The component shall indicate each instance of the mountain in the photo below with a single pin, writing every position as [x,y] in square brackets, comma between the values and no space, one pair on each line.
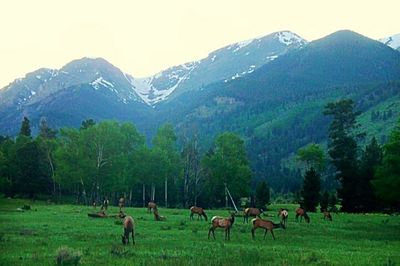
[227,63]
[278,108]
[271,90]
[84,88]
[392,41]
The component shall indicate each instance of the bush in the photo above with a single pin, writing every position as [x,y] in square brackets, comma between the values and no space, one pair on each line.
[68,256]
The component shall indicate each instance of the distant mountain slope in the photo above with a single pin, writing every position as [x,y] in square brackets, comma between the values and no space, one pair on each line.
[392,41]
[227,63]
[84,88]
[278,108]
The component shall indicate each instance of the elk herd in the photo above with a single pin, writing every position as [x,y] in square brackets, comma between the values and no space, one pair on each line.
[225,223]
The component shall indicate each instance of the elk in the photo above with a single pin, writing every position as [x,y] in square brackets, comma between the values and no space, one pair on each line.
[157,216]
[199,211]
[121,203]
[151,205]
[327,215]
[302,213]
[255,212]
[222,222]
[283,214]
[105,203]
[265,224]
[129,227]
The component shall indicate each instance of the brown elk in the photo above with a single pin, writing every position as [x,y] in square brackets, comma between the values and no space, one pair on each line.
[129,228]
[283,214]
[254,212]
[265,224]
[121,203]
[302,213]
[151,206]
[222,222]
[327,215]
[199,211]
[157,216]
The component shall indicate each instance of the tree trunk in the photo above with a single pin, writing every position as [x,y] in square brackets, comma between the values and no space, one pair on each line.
[130,198]
[144,195]
[166,193]
[226,198]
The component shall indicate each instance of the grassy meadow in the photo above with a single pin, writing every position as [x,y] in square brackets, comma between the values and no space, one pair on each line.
[33,238]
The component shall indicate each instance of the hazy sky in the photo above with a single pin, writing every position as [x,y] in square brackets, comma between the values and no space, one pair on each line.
[144,37]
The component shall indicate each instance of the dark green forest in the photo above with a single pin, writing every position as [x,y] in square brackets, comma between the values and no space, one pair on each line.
[112,159]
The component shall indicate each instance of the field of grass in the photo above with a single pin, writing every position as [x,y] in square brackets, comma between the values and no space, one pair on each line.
[33,238]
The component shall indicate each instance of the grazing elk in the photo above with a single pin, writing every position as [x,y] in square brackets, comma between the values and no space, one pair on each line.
[327,215]
[199,211]
[151,206]
[129,227]
[121,203]
[265,224]
[157,216]
[254,212]
[302,213]
[283,214]
[222,222]
[105,203]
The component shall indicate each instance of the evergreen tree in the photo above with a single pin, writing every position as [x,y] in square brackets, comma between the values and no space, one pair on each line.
[310,191]
[387,180]
[25,128]
[262,195]
[370,159]
[45,131]
[31,178]
[324,202]
[343,151]
[332,202]
[87,123]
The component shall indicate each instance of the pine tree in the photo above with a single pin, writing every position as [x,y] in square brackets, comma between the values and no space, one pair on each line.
[387,180]
[371,158]
[262,195]
[310,191]
[343,151]
[45,131]
[324,202]
[25,128]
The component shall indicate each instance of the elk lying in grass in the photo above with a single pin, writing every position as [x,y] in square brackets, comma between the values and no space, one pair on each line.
[283,214]
[199,211]
[121,203]
[129,228]
[222,222]
[302,213]
[327,215]
[254,212]
[265,224]
[157,216]
[151,206]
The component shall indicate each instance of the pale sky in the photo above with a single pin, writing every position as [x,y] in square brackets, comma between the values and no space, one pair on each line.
[144,37]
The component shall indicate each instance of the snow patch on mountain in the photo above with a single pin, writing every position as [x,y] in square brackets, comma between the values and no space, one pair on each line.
[289,38]
[102,82]
[392,41]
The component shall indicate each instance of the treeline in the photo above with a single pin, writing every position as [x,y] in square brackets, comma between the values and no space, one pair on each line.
[111,159]
[369,177]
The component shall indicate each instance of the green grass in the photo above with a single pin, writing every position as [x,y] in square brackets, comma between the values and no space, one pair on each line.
[33,238]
